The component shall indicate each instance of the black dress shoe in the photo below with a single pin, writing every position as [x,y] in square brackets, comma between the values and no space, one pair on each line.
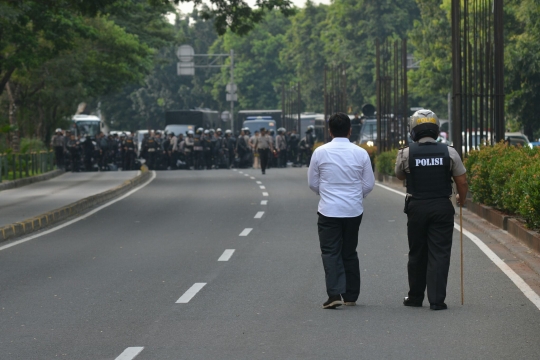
[333,302]
[409,302]
[442,306]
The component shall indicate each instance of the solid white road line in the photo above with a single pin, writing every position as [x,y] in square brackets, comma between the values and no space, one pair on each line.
[245,232]
[516,279]
[252,178]
[192,291]
[262,187]
[259,215]
[258,182]
[264,202]
[82,217]
[130,353]
[265,194]
[226,255]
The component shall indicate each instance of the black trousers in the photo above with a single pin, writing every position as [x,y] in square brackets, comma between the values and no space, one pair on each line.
[338,238]
[429,228]
[263,156]
[59,154]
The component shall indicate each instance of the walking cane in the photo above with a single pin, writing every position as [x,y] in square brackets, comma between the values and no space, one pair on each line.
[461,241]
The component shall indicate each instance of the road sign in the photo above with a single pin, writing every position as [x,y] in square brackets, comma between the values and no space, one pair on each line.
[186,68]
[231,88]
[232,97]
[225,116]
[185,53]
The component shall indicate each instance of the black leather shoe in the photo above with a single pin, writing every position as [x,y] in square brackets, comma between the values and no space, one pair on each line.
[409,302]
[438,306]
[333,302]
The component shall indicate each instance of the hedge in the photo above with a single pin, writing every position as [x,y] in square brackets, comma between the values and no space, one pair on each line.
[508,179]
[386,162]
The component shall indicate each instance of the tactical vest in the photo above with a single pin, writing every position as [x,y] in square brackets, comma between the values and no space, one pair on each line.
[430,176]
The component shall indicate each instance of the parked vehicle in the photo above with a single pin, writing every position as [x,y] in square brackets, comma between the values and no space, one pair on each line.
[517,138]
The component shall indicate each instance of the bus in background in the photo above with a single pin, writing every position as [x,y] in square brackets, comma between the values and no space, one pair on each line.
[255,123]
[88,125]
[275,115]
[181,121]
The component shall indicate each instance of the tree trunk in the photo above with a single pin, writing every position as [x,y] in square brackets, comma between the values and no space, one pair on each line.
[15,141]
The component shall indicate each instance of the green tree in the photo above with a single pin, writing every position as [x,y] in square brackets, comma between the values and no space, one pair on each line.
[431,39]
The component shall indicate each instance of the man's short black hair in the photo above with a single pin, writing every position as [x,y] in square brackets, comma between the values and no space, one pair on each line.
[340,124]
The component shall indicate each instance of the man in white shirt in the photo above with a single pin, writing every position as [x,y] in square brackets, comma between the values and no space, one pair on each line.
[340,172]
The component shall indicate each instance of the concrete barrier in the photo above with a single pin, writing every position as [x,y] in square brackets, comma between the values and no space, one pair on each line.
[52,217]
[29,180]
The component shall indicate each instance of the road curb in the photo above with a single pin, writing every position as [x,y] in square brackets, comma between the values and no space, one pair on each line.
[30,180]
[52,217]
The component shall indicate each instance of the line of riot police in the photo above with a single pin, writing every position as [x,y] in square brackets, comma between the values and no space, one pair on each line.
[202,149]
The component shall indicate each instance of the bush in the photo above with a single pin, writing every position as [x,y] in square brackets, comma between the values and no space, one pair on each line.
[32,145]
[386,161]
[507,178]
[372,152]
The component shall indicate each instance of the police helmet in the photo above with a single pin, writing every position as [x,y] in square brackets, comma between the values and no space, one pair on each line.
[281,130]
[206,132]
[310,128]
[190,132]
[58,130]
[211,131]
[171,133]
[218,130]
[199,130]
[424,123]
[228,132]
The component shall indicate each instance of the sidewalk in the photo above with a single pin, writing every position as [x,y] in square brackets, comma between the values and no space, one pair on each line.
[26,202]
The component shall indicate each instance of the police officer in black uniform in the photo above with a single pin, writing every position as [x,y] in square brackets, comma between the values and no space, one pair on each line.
[429,168]
[129,154]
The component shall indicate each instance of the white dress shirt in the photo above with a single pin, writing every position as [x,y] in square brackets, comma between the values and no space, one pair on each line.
[340,172]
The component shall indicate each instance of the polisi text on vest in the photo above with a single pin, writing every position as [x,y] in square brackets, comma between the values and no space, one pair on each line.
[429,162]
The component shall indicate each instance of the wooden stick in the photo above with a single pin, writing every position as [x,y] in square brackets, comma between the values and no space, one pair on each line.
[461,241]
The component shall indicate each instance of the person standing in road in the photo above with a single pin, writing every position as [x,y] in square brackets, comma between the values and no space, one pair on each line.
[59,145]
[429,168]
[263,145]
[340,172]
[281,148]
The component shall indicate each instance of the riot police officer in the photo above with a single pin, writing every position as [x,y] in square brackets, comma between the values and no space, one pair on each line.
[198,150]
[281,148]
[230,144]
[310,142]
[188,149]
[429,168]
[74,149]
[129,154]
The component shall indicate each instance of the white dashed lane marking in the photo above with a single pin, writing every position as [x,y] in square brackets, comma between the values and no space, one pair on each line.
[265,194]
[262,187]
[258,182]
[252,178]
[246,174]
[130,353]
[245,232]
[226,255]
[259,215]
[192,291]
[264,202]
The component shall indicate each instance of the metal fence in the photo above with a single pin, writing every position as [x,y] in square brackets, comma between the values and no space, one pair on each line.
[335,93]
[291,106]
[477,66]
[392,107]
[17,166]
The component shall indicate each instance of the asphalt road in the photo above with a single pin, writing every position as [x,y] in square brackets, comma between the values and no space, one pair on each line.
[32,200]
[118,283]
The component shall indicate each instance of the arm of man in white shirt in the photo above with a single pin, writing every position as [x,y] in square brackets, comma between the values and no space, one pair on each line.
[313,174]
[368,179]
